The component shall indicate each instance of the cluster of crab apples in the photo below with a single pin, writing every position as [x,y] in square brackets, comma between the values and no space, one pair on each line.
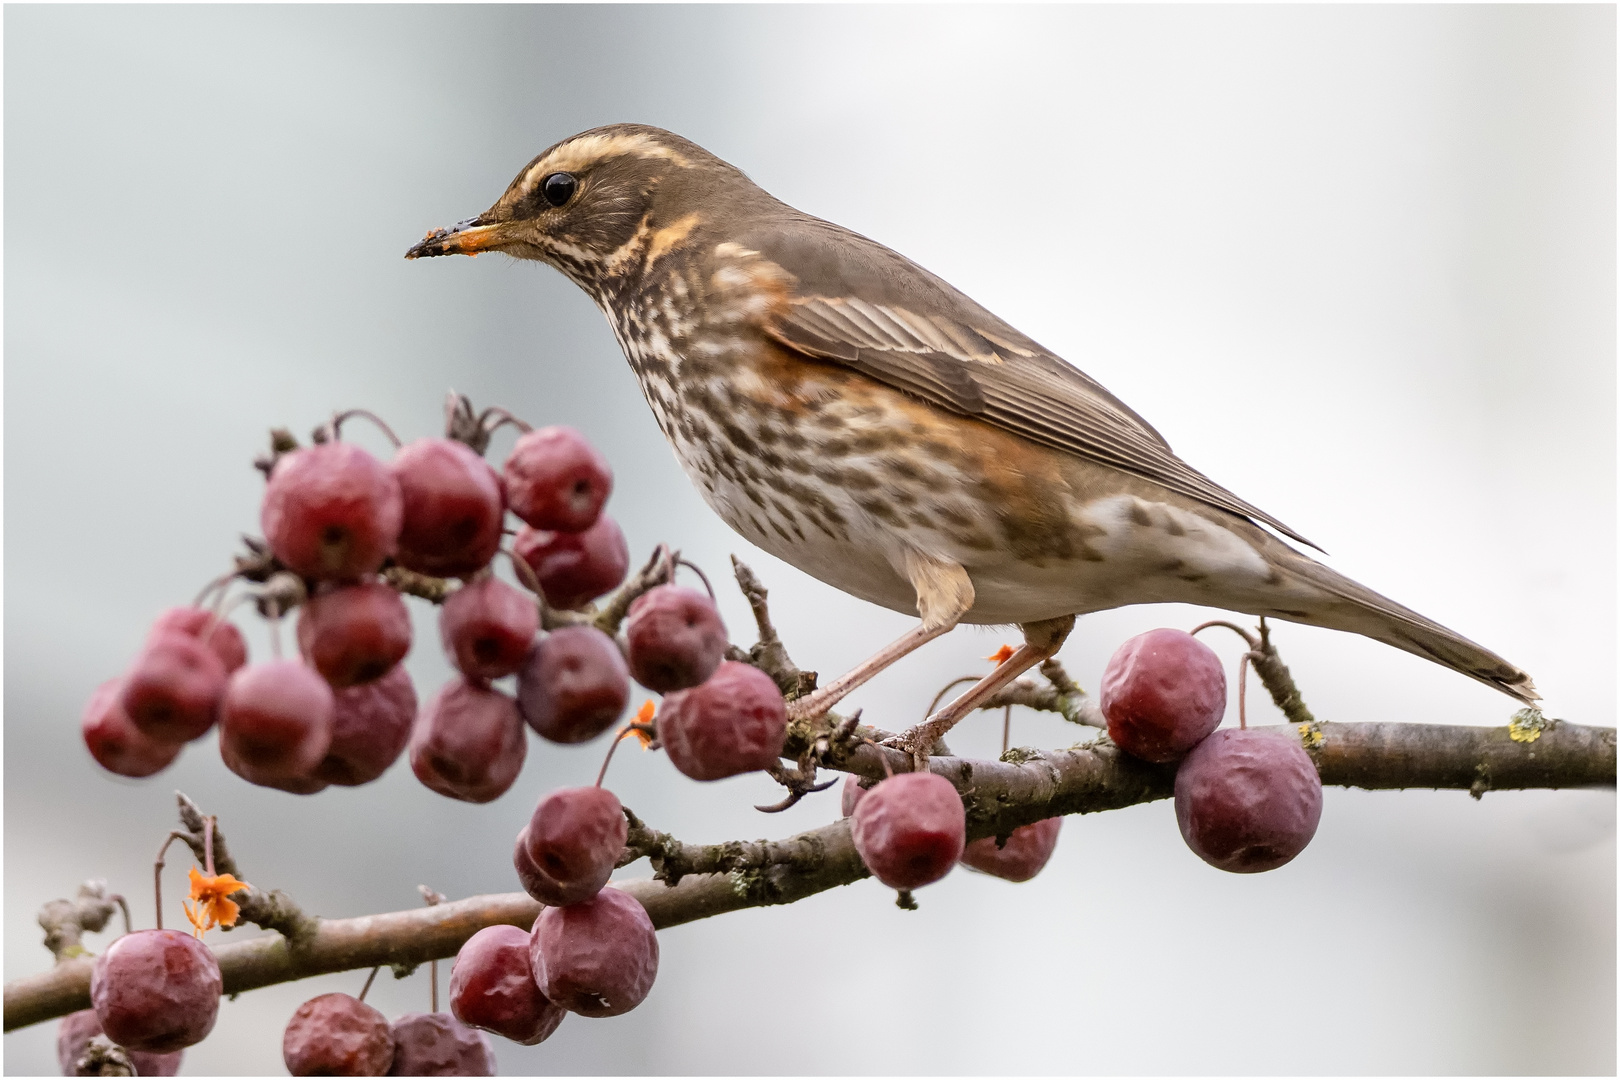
[1247,800]
[347,534]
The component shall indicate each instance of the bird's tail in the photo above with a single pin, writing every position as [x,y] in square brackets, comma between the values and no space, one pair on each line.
[1350,606]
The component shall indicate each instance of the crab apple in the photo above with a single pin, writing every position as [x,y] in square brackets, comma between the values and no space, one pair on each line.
[371,723]
[554,479]
[331,511]
[337,1035]
[156,990]
[1024,855]
[172,690]
[487,628]
[453,508]
[575,568]
[734,723]
[572,840]
[674,638]
[1162,692]
[573,685]
[117,744]
[292,785]
[275,723]
[468,743]
[598,957]
[1248,800]
[910,829]
[221,636]
[354,633]
[73,1037]
[437,1044]
[492,987]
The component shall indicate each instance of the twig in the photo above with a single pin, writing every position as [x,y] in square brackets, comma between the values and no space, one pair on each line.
[999,796]
[768,654]
[65,922]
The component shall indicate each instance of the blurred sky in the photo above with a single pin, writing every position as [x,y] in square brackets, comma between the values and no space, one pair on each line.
[1356,263]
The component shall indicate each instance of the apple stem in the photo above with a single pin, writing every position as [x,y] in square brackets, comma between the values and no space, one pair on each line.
[157,873]
[1238,630]
[214,586]
[208,844]
[494,418]
[336,424]
[366,989]
[692,566]
[432,898]
[1006,728]
[275,634]
[1243,684]
[932,705]
[612,746]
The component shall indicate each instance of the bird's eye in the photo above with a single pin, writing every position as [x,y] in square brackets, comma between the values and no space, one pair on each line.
[558,188]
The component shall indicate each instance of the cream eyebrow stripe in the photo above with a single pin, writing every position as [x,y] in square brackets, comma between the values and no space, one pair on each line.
[578,153]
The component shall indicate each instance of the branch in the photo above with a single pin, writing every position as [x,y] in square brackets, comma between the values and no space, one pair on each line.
[1026,786]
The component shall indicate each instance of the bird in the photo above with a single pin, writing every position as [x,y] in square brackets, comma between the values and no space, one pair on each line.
[861,419]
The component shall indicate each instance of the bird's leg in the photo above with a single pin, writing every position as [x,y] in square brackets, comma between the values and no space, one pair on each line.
[944,594]
[1041,641]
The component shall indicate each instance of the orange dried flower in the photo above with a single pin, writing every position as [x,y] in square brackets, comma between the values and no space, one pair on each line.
[1001,655]
[644,715]
[212,907]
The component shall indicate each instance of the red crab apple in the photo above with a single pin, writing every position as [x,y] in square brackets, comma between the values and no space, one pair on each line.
[674,637]
[1248,800]
[73,1037]
[337,1035]
[910,829]
[1162,693]
[331,511]
[156,990]
[554,479]
[598,957]
[492,987]
[1025,854]
[468,743]
[572,841]
[218,634]
[173,689]
[437,1044]
[275,722]
[574,568]
[453,508]
[117,744]
[488,628]
[355,633]
[573,685]
[371,723]
[733,723]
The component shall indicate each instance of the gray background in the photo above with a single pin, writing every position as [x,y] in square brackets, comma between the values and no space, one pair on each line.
[1356,263]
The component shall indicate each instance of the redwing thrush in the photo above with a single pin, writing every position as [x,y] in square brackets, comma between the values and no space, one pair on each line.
[856,416]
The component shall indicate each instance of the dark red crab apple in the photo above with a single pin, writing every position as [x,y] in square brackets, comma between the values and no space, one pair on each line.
[173,689]
[275,722]
[218,634]
[453,508]
[598,957]
[437,1044]
[337,1035]
[331,511]
[1248,800]
[117,744]
[488,627]
[571,842]
[575,568]
[910,829]
[371,723]
[674,637]
[554,479]
[73,1037]
[733,723]
[1162,692]
[574,684]
[355,633]
[156,990]
[1024,855]
[492,987]
[468,743]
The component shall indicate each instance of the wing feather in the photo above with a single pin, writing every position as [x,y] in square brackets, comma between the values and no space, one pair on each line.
[857,303]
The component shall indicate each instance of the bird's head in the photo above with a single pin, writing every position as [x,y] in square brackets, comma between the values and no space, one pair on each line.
[590,198]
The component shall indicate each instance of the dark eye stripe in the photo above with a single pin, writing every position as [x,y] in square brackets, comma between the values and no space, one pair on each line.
[558,188]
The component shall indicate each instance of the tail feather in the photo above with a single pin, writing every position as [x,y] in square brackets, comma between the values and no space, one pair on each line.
[1358,609]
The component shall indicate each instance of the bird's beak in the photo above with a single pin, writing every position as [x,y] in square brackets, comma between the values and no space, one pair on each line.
[467,238]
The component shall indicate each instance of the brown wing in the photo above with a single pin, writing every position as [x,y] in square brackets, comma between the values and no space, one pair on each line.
[858,303]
